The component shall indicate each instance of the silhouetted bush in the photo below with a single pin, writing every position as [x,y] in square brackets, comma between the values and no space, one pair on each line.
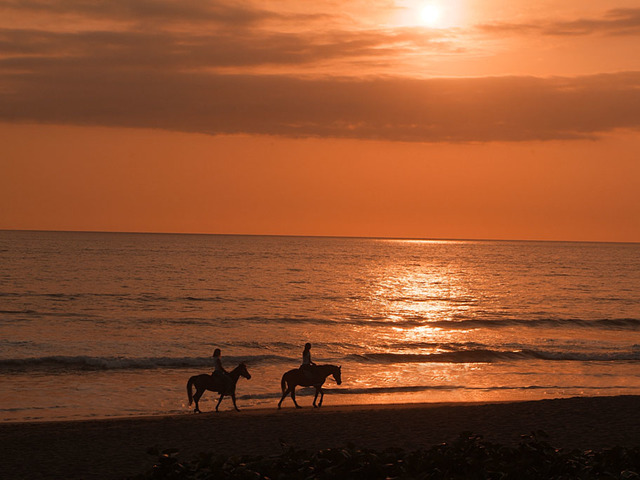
[469,457]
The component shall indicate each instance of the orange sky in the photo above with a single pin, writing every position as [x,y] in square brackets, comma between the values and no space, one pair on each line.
[434,119]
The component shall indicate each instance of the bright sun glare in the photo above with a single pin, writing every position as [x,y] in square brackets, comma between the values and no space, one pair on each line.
[436,14]
[430,15]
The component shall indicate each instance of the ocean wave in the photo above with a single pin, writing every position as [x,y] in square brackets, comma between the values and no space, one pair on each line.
[18,312]
[291,320]
[606,324]
[64,364]
[73,363]
[434,298]
[465,324]
[489,356]
[205,299]
[130,297]
[146,301]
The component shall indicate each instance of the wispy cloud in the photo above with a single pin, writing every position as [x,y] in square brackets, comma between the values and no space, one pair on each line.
[40,50]
[624,21]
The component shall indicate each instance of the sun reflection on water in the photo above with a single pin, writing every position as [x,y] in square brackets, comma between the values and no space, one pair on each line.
[419,299]
[412,293]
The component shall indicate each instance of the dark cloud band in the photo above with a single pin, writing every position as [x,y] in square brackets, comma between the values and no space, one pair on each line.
[401,109]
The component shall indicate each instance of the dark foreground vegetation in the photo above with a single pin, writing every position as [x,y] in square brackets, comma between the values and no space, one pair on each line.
[469,457]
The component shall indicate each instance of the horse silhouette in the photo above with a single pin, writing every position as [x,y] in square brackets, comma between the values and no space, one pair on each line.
[296,377]
[223,384]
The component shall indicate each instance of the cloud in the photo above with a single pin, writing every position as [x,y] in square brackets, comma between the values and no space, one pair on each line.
[400,109]
[169,11]
[173,79]
[38,50]
[623,21]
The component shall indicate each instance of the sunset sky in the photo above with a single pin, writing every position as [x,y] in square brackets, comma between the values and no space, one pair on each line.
[501,119]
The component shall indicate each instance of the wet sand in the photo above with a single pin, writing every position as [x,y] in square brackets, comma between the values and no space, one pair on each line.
[116,448]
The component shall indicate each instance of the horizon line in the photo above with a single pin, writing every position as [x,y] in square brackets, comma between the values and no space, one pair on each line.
[355,237]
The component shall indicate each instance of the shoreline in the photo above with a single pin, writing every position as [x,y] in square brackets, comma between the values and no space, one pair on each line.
[117,447]
[259,411]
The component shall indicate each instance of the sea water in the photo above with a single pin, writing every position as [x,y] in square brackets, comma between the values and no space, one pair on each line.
[97,325]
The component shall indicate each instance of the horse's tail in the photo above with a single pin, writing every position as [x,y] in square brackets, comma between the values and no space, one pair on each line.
[283,383]
[189,393]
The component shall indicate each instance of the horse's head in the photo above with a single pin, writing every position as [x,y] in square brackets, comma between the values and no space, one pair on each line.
[242,369]
[337,375]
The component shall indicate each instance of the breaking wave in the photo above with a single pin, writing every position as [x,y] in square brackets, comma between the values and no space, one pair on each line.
[489,356]
[61,364]
[70,363]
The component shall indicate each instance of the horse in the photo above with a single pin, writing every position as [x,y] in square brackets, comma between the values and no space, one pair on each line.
[224,384]
[297,376]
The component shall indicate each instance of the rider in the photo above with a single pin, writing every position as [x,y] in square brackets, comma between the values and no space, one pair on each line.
[218,370]
[307,364]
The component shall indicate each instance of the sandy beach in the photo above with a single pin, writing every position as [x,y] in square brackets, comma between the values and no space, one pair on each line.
[116,448]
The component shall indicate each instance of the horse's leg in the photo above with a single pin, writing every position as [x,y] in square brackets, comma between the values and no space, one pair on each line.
[321,397]
[284,394]
[196,397]
[233,398]
[219,400]
[293,396]
[316,397]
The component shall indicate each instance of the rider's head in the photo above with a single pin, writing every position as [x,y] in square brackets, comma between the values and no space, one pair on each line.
[307,346]
[216,352]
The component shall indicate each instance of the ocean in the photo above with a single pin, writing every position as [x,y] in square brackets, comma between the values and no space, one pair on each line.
[96,325]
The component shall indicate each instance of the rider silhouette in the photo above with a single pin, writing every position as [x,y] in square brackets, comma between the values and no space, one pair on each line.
[219,374]
[307,364]
[217,363]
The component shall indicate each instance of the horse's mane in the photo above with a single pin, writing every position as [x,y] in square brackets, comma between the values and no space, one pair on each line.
[326,365]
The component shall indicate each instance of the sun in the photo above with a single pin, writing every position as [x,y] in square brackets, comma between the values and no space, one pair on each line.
[430,15]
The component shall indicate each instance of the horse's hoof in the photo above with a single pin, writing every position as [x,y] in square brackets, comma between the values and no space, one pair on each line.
[298,406]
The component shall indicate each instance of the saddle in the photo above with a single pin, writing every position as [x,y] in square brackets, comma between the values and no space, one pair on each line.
[309,373]
[221,382]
